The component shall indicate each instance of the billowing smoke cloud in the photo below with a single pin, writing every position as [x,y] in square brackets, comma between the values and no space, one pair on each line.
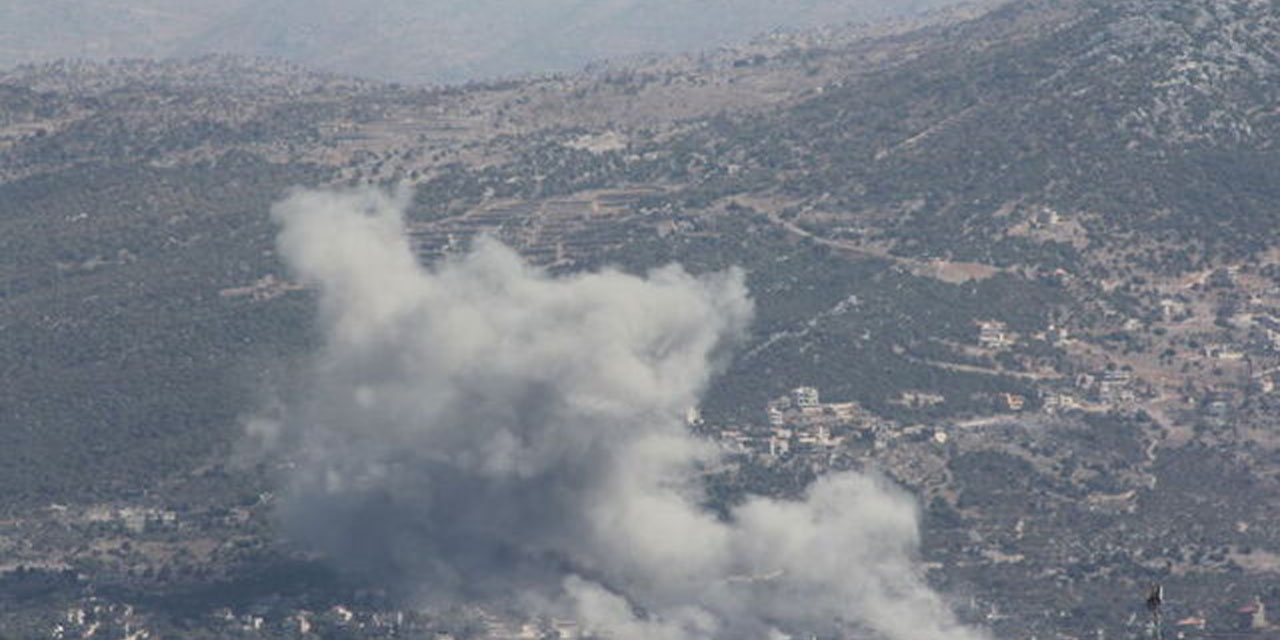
[483,431]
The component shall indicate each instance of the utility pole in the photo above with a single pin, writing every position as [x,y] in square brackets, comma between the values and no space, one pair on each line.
[1154,599]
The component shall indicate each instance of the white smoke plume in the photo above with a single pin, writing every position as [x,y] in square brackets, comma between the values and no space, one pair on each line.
[482,431]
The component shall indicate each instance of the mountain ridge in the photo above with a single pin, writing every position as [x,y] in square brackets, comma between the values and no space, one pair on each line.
[395,40]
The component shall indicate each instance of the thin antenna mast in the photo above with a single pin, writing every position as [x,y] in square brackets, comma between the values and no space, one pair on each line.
[1154,599]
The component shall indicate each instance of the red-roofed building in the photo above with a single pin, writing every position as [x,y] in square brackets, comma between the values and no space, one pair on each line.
[1253,615]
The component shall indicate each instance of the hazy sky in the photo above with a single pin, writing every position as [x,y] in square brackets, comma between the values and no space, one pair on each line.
[410,40]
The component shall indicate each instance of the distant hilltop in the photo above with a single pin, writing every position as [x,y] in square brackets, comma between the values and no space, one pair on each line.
[398,40]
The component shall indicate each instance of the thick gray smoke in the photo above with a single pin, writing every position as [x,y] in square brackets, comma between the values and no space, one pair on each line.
[483,431]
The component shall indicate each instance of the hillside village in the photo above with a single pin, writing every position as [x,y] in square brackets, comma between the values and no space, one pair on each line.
[1209,346]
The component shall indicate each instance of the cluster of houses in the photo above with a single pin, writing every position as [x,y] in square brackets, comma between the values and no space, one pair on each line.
[265,288]
[800,423]
[993,334]
[499,628]
[94,617]
[1269,326]
[268,617]
[1250,619]
[1119,387]
[133,519]
[1112,386]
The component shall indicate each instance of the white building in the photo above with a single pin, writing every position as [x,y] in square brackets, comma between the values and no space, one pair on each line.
[1171,309]
[805,397]
[779,447]
[776,418]
[993,334]
[693,416]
